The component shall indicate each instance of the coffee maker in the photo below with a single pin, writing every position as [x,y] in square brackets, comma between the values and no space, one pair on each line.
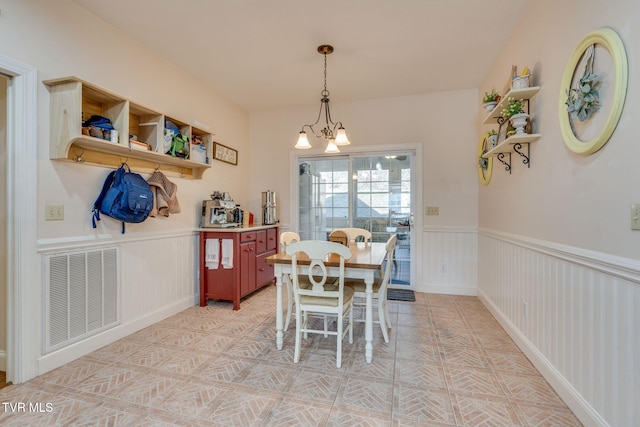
[269,212]
[218,212]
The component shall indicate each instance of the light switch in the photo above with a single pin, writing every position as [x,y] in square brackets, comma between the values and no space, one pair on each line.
[432,210]
[635,216]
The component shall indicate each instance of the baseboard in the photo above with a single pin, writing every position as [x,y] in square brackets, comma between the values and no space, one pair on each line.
[574,400]
[67,354]
[447,289]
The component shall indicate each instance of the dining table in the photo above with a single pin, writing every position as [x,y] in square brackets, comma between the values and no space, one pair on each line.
[366,259]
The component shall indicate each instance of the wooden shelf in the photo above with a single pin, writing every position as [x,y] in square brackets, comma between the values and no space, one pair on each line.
[74,100]
[525,93]
[507,144]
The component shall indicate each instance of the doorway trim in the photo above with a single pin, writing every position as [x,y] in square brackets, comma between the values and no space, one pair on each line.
[21,174]
[294,155]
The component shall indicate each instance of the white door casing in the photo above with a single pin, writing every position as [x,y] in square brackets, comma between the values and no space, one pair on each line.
[23,282]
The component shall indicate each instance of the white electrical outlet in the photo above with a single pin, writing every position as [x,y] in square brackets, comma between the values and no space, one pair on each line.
[53,212]
[635,216]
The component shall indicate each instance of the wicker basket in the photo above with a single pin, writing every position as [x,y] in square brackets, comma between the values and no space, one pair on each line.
[521,82]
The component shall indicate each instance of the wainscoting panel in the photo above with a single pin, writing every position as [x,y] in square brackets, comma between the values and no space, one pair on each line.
[576,316]
[157,276]
[156,273]
[449,261]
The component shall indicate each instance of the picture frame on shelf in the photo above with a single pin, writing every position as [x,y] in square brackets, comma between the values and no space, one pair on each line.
[225,154]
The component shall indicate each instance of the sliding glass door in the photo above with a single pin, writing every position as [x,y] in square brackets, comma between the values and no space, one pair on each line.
[374,192]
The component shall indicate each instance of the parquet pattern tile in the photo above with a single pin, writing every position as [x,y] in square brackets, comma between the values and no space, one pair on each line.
[448,364]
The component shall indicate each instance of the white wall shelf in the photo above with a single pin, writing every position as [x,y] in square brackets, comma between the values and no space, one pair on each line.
[74,101]
[526,94]
[519,144]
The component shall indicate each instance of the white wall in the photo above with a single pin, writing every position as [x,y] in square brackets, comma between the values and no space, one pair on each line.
[447,167]
[556,237]
[61,39]
[447,163]
[578,200]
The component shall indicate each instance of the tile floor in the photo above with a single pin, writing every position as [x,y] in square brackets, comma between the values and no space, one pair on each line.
[448,364]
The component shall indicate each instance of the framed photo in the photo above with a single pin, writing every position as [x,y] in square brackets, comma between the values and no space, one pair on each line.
[225,154]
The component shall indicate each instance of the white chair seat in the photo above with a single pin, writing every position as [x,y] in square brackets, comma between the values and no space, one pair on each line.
[328,302]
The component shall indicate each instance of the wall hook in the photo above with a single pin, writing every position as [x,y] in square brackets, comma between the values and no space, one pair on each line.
[78,158]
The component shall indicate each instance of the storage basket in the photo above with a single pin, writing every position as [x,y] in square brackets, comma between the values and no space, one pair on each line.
[521,82]
[199,153]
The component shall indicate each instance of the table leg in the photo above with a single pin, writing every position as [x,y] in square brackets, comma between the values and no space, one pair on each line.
[368,325]
[279,334]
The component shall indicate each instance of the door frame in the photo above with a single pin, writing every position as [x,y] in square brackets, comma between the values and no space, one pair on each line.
[416,249]
[23,290]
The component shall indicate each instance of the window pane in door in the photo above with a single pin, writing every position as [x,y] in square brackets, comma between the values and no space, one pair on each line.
[323,196]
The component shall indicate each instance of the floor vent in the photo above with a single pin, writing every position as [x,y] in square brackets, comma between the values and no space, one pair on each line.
[81,293]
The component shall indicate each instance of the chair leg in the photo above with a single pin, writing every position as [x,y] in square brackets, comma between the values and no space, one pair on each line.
[326,326]
[339,343]
[296,353]
[351,325]
[386,315]
[306,320]
[382,319]
[289,304]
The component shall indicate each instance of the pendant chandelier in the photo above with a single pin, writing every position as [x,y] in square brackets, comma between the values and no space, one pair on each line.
[333,133]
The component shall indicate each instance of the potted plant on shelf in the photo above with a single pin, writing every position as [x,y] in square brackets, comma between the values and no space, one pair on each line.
[490,100]
[514,111]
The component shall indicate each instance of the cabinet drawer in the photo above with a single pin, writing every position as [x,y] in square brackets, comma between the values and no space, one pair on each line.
[272,239]
[249,236]
[264,272]
[261,241]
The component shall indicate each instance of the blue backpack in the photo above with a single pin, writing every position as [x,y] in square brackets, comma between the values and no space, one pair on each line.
[125,196]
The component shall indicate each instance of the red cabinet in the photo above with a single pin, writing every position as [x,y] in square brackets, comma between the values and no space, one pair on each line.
[249,272]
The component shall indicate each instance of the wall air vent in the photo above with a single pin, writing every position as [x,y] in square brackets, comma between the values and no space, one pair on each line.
[81,295]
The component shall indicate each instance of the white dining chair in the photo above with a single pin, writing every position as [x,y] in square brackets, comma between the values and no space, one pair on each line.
[380,285]
[288,237]
[339,236]
[355,233]
[321,298]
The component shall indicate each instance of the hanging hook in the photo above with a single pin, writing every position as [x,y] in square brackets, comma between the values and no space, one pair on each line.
[78,158]
[157,168]
[126,159]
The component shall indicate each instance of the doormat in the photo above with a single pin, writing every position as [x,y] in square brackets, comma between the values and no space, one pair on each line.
[400,295]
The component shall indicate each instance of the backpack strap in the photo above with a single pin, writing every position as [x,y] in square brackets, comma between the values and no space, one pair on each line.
[98,202]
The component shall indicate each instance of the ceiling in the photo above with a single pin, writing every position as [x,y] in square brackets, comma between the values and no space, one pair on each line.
[261,54]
